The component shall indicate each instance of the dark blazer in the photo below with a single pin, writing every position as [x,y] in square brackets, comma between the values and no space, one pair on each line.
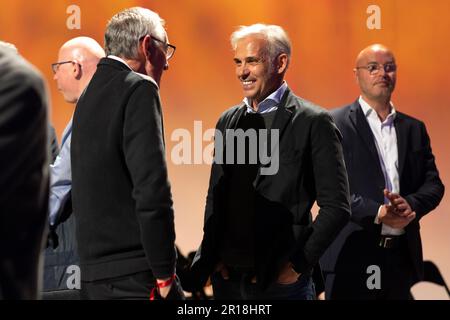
[311,168]
[120,191]
[23,175]
[420,184]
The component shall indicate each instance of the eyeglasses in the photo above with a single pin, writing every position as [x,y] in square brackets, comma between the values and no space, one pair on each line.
[374,68]
[168,48]
[55,66]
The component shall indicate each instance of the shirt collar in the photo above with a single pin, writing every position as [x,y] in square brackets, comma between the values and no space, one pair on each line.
[270,103]
[147,77]
[370,112]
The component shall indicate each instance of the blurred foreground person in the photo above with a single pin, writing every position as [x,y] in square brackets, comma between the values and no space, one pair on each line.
[23,175]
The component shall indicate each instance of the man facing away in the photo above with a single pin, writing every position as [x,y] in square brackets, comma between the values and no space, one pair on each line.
[23,175]
[259,239]
[394,182]
[76,64]
[120,189]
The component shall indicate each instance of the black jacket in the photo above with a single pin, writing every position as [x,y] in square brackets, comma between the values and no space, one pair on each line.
[24,156]
[311,167]
[120,190]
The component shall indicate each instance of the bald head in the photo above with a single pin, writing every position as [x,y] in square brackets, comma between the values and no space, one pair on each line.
[82,55]
[370,51]
[376,74]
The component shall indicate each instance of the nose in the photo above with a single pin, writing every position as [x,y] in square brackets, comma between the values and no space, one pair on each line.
[242,71]
[382,71]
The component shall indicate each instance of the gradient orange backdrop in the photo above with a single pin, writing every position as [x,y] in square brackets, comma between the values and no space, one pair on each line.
[326,37]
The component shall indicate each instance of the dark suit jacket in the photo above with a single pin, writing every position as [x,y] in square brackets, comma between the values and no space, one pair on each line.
[311,168]
[120,191]
[420,184]
[23,175]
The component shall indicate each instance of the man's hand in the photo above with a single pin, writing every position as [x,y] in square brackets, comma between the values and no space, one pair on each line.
[168,289]
[388,216]
[164,291]
[401,206]
[288,274]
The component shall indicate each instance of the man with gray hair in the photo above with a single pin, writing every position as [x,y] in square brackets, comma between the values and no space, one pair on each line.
[259,239]
[120,190]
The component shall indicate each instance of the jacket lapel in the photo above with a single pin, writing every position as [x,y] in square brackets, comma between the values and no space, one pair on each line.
[284,112]
[231,124]
[234,119]
[361,125]
[282,118]
[401,130]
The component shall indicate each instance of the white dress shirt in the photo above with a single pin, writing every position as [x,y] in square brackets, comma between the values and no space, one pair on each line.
[386,144]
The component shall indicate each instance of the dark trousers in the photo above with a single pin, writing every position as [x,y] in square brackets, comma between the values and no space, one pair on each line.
[130,287]
[240,287]
[353,281]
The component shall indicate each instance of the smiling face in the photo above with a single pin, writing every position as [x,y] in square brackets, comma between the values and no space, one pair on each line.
[258,75]
[380,85]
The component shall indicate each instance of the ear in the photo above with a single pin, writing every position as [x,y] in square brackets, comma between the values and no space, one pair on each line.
[281,63]
[145,47]
[77,70]
[355,72]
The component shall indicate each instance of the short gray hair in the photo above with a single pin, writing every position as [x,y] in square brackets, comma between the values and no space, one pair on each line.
[276,37]
[8,46]
[126,28]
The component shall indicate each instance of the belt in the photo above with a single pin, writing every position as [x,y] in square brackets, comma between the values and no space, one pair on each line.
[390,242]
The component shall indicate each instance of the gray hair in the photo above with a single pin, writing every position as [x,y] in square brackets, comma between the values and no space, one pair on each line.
[126,28]
[277,38]
[8,46]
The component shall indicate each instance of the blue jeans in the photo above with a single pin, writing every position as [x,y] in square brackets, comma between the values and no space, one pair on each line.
[241,288]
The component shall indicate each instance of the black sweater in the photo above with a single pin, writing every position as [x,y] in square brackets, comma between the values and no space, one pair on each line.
[238,236]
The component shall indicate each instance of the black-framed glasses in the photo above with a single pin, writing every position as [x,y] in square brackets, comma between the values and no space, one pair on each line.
[55,66]
[168,48]
[374,68]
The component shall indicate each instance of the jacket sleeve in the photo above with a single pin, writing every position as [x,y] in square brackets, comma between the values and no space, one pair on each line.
[23,138]
[202,265]
[144,153]
[430,193]
[364,210]
[331,185]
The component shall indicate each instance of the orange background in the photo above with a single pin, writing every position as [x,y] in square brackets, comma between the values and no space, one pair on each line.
[326,36]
